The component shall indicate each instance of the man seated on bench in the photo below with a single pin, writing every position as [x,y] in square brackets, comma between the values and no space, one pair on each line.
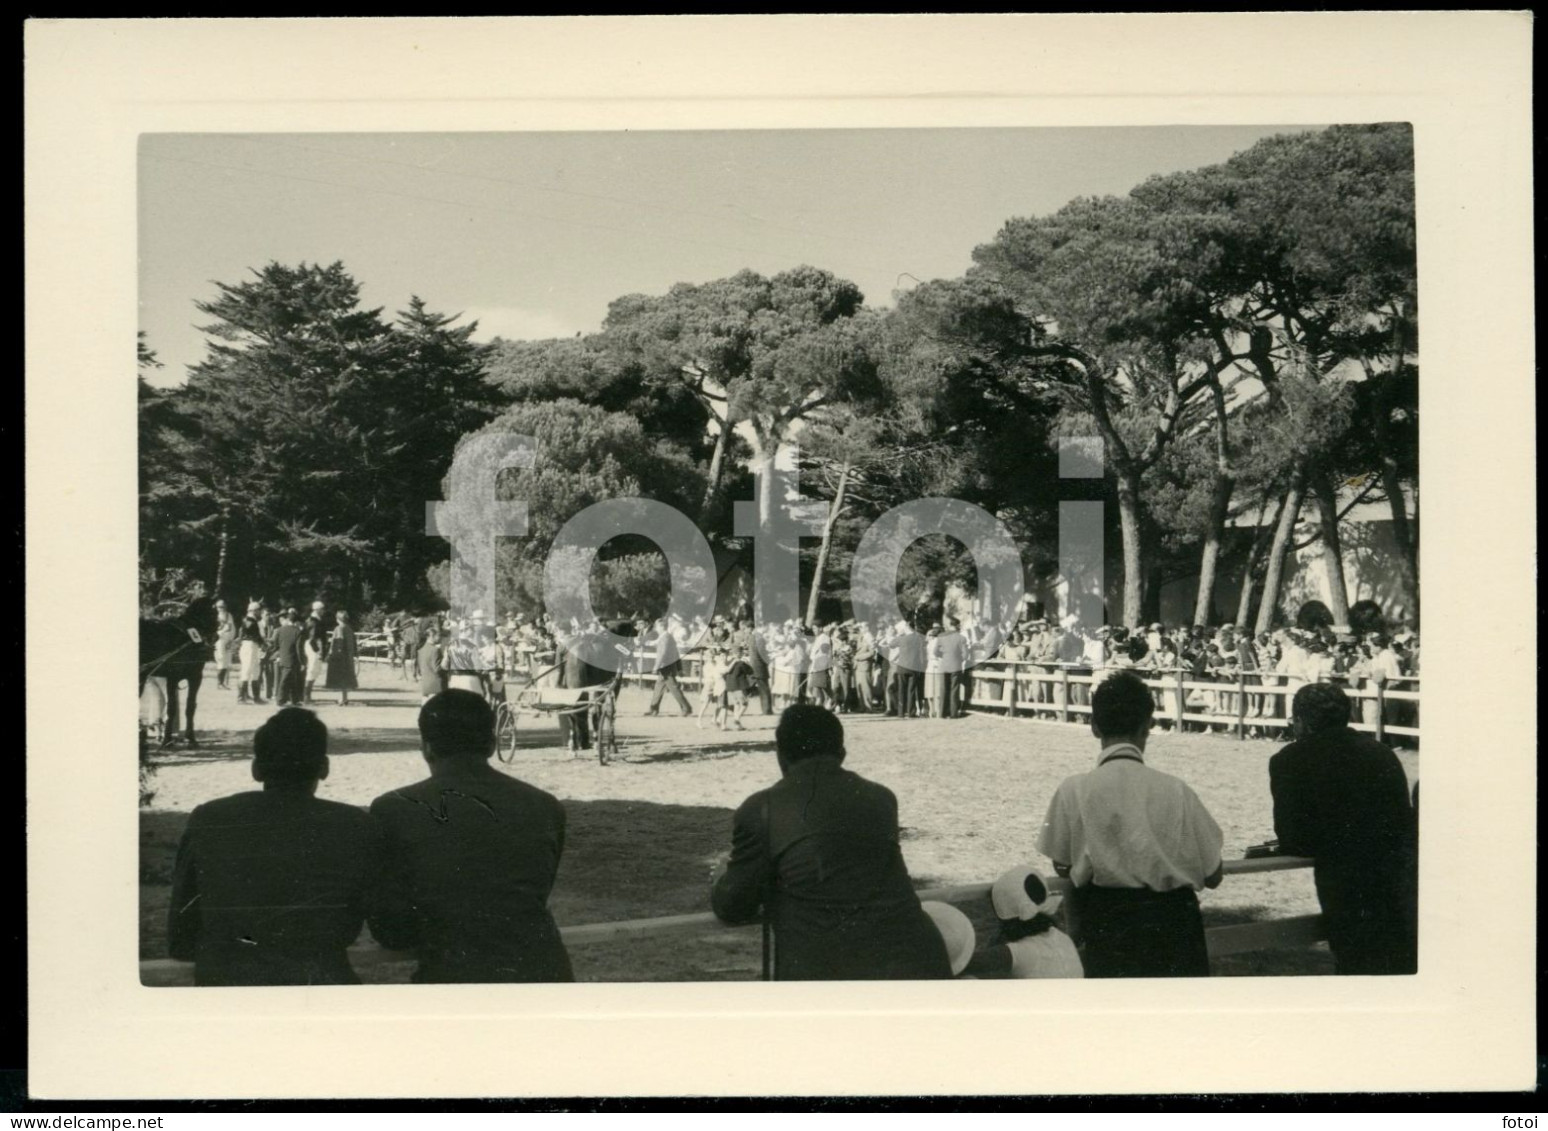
[469,859]
[269,888]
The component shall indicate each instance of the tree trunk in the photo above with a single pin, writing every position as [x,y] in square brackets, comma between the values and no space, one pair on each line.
[716,461]
[1288,514]
[220,560]
[1133,558]
[834,509]
[1209,558]
[1402,532]
[1260,538]
[1332,551]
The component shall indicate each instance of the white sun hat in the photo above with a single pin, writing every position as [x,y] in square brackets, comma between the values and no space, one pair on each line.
[956,932]
[1022,893]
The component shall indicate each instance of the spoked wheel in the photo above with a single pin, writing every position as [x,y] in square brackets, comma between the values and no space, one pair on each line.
[603,732]
[505,732]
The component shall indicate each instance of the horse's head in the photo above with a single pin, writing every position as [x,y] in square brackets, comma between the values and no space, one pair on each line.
[200,615]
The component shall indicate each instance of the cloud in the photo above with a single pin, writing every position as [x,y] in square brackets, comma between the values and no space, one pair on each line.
[520,324]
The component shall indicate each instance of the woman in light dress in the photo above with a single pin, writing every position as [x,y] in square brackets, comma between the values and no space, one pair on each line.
[712,686]
[934,677]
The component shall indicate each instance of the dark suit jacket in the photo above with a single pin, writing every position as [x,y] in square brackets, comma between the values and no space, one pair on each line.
[469,858]
[819,850]
[1343,799]
[270,888]
[287,646]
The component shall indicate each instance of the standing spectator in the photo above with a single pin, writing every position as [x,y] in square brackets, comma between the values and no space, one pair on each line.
[341,659]
[956,658]
[668,665]
[819,678]
[818,853]
[460,660]
[225,641]
[469,859]
[270,886]
[250,657]
[739,689]
[314,647]
[1137,845]
[907,660]
[1342,798]
[432,679]
[712,686]
[934,678]
[289,663]
[409,635]
[1031,945]
[746,640]
[865,667]
[268,627]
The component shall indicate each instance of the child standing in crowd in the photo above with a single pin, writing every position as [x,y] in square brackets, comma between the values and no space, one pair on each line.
[741,686]
[1031,945]
[713,688]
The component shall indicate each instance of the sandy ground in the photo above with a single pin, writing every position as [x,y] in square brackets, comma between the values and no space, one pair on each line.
[643,830]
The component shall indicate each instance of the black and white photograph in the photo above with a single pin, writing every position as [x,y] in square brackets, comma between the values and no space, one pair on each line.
[1193,754]
[576,559]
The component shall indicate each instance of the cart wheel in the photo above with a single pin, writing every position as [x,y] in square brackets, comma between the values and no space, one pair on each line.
[505,733]
[606,736]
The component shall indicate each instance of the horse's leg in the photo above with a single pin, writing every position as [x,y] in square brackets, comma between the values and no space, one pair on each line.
[193,702]
[169,732]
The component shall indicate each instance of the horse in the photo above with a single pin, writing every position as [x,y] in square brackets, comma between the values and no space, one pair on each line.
[176,650]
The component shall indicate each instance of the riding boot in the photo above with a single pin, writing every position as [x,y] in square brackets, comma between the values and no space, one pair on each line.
[242,693]
[257,692]
[309,685]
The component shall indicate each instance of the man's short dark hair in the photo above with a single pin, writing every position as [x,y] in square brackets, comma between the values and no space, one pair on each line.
[808,731]
[1320,707]
[456,723]
[292,746]
[1121,705]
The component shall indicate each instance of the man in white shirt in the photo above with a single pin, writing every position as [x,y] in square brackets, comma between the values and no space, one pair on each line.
[1137,845]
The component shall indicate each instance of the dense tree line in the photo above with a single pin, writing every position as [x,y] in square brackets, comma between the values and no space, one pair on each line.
[1242,338]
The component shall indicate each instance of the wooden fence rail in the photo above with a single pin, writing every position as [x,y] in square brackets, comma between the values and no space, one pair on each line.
[376,965]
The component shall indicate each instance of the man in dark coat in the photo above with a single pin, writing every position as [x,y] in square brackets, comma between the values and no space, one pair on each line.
[469,859]
[818,853]
[1342,798]
[270,886]
[289,663]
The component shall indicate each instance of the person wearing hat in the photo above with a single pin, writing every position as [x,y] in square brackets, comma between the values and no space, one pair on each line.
[289,662]
[1137,845]
[270,886]
[225,642]
[1031,945]
[818,853]
[1342,798]
[250,657]
[907,661]
[957,933]
[314,648]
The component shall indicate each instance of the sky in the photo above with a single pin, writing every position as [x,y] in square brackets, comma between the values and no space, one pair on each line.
[534,234]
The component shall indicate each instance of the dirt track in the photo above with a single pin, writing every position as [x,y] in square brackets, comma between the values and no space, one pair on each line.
[643,830]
